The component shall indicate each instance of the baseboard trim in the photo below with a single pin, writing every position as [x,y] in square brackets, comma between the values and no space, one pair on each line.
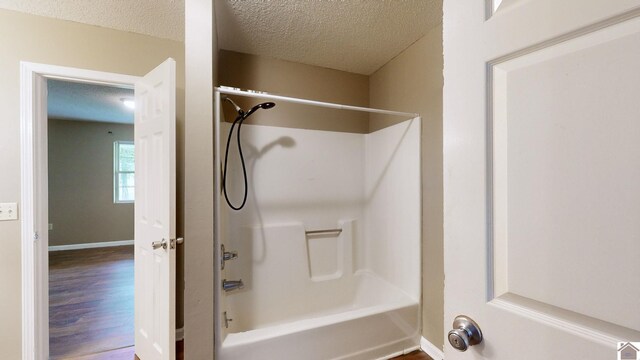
[431,350]
[90,245]
[180,334]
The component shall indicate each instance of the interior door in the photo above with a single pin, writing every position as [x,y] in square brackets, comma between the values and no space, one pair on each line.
[155,208]
[542,176]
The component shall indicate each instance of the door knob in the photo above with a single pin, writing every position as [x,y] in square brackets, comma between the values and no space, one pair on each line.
[465,333]
[159,244]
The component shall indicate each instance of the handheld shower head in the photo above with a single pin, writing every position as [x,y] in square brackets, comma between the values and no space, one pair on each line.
[265,105]
[242,116]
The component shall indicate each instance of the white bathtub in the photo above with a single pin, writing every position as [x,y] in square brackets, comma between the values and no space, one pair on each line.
[379,318]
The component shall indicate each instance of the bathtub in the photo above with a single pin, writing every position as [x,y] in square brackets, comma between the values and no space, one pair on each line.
[377,317]
[293,307]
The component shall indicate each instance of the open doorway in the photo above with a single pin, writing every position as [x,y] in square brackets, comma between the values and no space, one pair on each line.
[155,241]
[91,171]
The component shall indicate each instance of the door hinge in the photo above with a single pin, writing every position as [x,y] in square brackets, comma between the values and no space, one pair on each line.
[35,236]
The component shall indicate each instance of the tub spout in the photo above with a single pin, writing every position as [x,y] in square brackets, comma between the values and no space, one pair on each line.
[228,285]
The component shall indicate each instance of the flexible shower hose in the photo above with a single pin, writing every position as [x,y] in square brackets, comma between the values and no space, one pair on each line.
[238,121]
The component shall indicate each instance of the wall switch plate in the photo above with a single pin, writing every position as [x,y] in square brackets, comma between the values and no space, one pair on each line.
[50,226]
[8,211]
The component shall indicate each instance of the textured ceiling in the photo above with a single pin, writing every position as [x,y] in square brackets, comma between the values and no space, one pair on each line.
[159,18]
[352,35]
[89,102]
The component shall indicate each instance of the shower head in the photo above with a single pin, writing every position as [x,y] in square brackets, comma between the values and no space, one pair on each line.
[242,113]
[266,105]
[238,109]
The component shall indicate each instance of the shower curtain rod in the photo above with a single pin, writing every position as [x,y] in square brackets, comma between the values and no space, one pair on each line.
[264,95]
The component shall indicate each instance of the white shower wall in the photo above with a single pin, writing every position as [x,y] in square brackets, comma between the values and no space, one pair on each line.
[366,184]
[392,207]
[309,176]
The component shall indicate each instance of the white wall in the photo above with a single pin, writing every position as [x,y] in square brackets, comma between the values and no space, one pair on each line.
[367,184]
[298,180]
[413,81]
[201,54]
[393,205]
[310,176]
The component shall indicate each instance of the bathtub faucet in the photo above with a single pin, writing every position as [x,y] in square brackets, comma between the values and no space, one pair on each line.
[226,256]
[228,285]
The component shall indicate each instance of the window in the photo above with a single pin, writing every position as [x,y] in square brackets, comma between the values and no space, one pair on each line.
[123,172]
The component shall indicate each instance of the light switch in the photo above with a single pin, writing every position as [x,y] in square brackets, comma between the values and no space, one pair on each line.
[8,211]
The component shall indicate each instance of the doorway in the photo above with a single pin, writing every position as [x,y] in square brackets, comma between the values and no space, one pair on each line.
[91,172]
[34,193]
[154,238]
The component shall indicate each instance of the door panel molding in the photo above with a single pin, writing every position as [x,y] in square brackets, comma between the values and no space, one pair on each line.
[478,53]
[603,332]
[498,71]
[155,213]
[585,30]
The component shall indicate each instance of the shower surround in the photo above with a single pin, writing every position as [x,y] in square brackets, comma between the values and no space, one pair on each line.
[350,293]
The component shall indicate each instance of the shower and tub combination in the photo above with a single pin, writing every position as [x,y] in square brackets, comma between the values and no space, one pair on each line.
[317,235]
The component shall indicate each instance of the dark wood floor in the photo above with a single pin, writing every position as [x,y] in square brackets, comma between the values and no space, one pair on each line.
[90,301]
[128,354]
[91,306]
[416,355]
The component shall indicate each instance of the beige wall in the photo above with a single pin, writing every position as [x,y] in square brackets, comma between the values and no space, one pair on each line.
[298,80]
[201,51]
[81,207]
[42,40]
[413,82]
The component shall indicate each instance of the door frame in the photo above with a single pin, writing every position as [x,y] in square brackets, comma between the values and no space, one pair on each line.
[34,193]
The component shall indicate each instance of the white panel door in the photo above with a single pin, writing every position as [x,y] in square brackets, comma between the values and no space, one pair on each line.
[542,176]
[155,208]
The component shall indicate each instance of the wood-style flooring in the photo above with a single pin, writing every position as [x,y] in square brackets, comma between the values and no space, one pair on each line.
[91,306]
[416,355]
[90,301]
[128,354]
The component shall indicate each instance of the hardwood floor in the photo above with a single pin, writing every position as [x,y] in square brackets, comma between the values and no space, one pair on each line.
[127,354]
[90,301]
[416,355]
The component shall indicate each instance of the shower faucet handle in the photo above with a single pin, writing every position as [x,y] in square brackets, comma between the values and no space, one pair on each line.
[229,255]
[226,256]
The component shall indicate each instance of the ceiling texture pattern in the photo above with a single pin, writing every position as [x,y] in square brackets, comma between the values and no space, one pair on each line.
[88,102]
[358,36]
[351,35]
[159,18]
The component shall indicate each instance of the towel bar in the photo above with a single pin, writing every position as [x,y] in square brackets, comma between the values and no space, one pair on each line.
[326,231]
